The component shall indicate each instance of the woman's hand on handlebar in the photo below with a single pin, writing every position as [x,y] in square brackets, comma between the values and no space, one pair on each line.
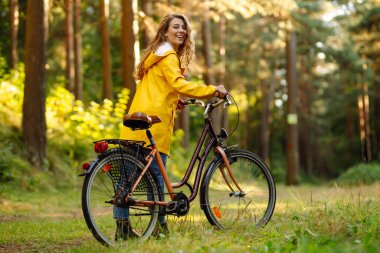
[220,92]
[181,104]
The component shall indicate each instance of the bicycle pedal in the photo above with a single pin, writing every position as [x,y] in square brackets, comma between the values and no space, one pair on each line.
[171,207]
[179,205]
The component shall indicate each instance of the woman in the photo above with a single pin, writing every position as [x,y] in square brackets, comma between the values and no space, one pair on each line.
[160,84]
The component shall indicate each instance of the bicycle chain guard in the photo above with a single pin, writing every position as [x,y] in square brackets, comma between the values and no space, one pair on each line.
[180,205]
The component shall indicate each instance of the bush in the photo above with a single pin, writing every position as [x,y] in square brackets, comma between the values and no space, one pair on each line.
[72,126]
[363,173]
[11,97]
[13,168]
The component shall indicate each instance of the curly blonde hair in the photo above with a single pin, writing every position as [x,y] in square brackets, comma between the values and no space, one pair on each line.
[185,51]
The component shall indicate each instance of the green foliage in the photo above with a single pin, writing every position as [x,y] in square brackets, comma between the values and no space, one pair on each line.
[78,122]
[15,170]
[11,95]
[180,157]
[363,173]
[71,128]
[4,31]
[11,165]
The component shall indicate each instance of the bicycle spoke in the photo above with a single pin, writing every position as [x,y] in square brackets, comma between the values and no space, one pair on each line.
[106,188]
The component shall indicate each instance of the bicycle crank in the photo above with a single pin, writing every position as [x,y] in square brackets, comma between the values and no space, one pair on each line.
[180,205]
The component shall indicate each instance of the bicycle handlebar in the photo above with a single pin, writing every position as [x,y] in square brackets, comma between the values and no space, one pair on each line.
[213,104]
[209,106]
[226,101]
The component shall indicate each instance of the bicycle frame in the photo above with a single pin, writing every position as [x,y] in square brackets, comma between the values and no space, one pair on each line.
[208,130]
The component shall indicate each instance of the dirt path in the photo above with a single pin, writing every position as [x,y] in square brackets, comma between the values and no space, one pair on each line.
[29,247]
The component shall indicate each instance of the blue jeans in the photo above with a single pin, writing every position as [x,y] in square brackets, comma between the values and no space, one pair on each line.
[123,213]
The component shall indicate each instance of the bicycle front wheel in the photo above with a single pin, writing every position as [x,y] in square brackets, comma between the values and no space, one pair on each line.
[225,205]
[118,170]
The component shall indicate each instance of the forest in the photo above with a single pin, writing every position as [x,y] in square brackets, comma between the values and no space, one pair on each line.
[304,74]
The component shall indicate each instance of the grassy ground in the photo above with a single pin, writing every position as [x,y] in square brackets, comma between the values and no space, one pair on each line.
[306,219]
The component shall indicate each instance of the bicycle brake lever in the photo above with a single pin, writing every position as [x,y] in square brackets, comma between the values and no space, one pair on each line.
[228,102]
[190,101]
[207,110]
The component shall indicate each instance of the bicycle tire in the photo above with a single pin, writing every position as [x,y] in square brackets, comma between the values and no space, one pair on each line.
[100,186]
[223,207]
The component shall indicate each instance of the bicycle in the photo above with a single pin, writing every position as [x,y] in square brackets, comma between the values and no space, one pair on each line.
[236,188]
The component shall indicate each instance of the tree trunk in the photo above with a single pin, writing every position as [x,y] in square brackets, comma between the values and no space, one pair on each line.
[183,119]
[376,111]
[69,43]
[127,49]
[206,47]
[147,9]
[105,48]
[305,133]
[78,89]
[14,22]
[206,51]
[222,59]
[266,118]
[363,108]
[33,120]
[350,120]
[292,156]
[349,123]
[247,117]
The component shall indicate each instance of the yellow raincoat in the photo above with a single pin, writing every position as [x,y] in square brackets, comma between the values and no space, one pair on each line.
[157,94]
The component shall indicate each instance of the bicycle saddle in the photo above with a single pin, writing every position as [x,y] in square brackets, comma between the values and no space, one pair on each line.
[140,121]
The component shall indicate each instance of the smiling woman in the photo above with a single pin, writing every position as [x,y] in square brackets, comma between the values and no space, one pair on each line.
[161,83]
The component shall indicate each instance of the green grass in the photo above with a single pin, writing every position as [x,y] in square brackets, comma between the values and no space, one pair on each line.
[306,219]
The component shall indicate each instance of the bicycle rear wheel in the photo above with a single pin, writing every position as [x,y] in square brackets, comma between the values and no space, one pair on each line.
[224,207]
[118,169]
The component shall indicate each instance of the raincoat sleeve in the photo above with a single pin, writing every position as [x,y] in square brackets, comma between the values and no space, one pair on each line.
[171,71]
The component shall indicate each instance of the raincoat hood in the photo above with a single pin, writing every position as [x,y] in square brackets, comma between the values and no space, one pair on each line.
[154,58]
[162,51]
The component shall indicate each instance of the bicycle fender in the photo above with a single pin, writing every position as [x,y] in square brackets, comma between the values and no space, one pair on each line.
[208,172]
[92,165]
[95,162]
[233,147]
[109,152]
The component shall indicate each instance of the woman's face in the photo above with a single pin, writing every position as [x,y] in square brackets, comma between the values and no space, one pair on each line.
[176,33]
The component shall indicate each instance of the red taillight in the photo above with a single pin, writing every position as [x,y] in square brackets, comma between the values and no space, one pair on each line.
[106,168]
[86,166]
[100,146]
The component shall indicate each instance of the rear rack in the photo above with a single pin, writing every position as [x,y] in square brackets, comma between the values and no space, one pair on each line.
[121,142]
